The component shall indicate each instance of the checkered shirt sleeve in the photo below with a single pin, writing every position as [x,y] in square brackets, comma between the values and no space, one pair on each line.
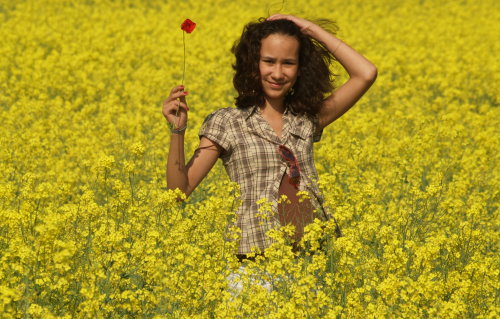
[214,129]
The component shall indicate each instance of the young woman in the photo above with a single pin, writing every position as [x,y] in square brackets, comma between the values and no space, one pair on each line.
[285,99]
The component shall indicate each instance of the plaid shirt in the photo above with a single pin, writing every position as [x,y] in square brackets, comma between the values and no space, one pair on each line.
[251,159]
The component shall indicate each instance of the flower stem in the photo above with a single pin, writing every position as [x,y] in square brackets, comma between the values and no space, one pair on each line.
[184,67]
[183,71]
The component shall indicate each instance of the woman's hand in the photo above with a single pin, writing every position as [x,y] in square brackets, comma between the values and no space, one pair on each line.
[175,107]
[303,24]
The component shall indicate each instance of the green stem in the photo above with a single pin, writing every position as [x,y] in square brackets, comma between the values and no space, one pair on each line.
[184,60]
[183,69]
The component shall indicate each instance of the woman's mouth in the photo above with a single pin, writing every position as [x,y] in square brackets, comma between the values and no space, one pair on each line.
[276,85]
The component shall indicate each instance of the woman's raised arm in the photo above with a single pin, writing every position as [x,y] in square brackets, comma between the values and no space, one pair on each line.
[362,73]
[179,174]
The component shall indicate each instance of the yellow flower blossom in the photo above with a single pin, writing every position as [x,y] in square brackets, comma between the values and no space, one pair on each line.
[88,229]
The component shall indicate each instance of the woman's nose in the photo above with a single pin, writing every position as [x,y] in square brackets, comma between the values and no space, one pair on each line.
[277,72]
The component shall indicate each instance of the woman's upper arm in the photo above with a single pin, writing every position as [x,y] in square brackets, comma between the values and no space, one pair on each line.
[201,162]
[344,98]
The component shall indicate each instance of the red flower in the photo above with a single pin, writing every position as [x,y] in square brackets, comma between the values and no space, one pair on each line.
[188,26]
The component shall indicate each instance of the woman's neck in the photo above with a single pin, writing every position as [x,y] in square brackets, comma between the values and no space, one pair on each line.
[274,107]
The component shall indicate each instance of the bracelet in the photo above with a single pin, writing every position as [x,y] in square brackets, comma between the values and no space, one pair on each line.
[338,45]
[178,130]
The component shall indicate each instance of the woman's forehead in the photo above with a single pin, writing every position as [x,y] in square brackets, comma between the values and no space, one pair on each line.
[279,44]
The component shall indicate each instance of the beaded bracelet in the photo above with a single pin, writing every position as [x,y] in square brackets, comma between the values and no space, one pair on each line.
[178,130]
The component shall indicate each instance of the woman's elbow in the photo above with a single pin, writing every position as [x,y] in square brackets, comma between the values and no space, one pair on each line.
[370,74]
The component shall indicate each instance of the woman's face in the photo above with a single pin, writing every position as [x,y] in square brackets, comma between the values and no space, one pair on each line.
[278,65]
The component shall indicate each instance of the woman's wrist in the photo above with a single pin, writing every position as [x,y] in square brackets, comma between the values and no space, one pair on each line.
[179,130]
[330,41]
[318,33]
[337,46]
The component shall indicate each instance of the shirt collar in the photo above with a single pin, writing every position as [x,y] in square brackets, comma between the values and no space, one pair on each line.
[252,109]
[249,111]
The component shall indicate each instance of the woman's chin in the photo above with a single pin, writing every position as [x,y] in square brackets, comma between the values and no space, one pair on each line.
[275,96]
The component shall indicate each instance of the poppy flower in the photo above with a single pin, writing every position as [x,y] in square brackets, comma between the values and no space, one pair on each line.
[188,26]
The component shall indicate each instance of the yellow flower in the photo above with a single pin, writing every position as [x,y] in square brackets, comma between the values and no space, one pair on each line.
[87,228]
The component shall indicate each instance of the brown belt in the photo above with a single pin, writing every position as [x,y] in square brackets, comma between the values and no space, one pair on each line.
[295,248]
[242,257]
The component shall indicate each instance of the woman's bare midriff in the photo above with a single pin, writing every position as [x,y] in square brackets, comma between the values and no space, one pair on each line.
[292,211]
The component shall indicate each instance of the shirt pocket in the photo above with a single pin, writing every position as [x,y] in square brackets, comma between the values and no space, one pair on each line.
[301,142]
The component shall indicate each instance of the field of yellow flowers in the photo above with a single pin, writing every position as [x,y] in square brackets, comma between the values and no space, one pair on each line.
[88,230]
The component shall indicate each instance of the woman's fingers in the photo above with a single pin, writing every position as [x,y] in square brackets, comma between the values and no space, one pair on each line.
[173,106]
[177,89]
[303,24]
[177,95]
[176,113]
[174,95]
[182,98]
[276,16]
[183,106]
[280,16]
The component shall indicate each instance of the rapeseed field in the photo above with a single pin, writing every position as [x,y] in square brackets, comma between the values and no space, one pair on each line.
[88,229]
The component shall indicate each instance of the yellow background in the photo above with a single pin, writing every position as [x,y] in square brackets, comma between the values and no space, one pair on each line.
[87,228]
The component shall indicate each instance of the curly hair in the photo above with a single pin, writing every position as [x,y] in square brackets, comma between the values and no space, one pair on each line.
[315,79]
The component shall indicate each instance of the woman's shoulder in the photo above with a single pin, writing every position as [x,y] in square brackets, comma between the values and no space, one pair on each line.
[304,118]
[223,114]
